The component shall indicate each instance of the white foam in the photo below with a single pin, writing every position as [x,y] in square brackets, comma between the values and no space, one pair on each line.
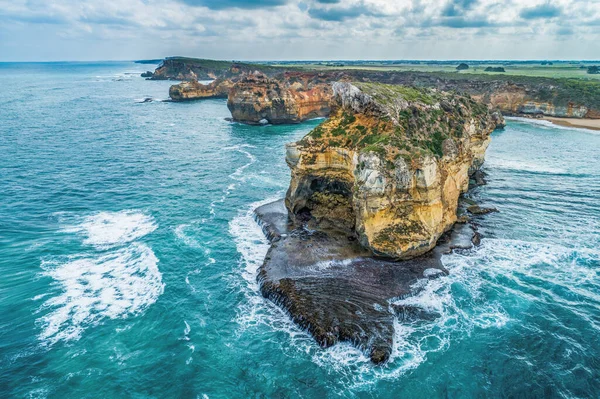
[457,316]
[250,242]
[514,164]
[180,233]
[115,285]
[105,229]
[549,124]
[187,330]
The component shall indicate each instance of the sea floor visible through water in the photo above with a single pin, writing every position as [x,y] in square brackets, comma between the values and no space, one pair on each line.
[129,254]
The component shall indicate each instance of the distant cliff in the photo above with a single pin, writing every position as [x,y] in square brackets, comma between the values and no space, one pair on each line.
[389,165]
[513,95]
[378,182]
[192,90]
[184,68]
[291,98]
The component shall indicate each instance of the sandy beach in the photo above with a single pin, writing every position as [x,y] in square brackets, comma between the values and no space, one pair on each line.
[593,124]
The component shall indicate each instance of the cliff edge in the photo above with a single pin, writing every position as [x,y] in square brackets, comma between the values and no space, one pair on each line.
[389,165]
[290,98]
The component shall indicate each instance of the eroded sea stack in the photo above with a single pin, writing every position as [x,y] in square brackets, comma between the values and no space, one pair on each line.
[193,90]
[389,165]
[291,98]
[373,190]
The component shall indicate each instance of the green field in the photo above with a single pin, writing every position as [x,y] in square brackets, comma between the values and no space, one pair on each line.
[561,70]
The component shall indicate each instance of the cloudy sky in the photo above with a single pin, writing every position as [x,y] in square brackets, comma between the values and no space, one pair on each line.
[299,29]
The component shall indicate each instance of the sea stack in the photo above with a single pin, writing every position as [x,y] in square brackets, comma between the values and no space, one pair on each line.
[373,190]
[389,165]
[193,90]
[290,98]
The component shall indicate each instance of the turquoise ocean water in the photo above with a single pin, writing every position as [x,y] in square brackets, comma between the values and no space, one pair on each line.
[128,258]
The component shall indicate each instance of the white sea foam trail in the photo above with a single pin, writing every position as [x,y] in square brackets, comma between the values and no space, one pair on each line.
[549,124]
[116,285]
[104,229]
[250,241]
[117,278]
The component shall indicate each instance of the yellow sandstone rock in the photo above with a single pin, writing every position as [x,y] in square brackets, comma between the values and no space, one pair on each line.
[389,165]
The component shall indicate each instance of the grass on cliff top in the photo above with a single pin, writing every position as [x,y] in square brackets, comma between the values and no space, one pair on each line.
[386,93]
[569,70]
[419,131]
[219,65]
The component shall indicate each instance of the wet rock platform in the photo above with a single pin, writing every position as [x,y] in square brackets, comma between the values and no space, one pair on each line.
[337,290]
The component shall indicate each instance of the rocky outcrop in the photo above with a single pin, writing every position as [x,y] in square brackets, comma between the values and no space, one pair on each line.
[335,289]
[382,176]
[184,68]
[514,99]
[513,95]
[291,98]
[193,90]
[389,165]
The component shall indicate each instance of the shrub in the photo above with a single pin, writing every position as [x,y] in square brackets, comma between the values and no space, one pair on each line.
[462,66]
[494,69]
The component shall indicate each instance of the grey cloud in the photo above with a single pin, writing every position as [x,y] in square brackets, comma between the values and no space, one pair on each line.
[222,4]
[341,13]
[462,22]
[457,8]
[543,11]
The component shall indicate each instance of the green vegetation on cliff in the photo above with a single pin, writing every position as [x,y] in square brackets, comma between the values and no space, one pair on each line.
[402,121]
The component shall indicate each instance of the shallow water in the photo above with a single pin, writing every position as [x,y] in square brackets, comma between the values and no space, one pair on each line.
[128,257]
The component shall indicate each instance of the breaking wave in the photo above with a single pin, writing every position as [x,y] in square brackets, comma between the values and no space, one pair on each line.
[119,279]
[105,229]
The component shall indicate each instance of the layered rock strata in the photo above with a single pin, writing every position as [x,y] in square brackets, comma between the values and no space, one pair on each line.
[193,90]
[291,98]
[185,68]
[389,165]
[373,190]
[336,290]
[513,95]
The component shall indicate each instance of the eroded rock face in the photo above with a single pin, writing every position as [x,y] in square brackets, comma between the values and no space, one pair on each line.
[193,90]
[514,99]
[291,98]
[335,289]
[389,165]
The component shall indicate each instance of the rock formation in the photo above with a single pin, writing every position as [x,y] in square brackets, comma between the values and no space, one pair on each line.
[336,290]
[389,165]
[512,95]
[381,177]
[184,68]
[291,98]
[193,90]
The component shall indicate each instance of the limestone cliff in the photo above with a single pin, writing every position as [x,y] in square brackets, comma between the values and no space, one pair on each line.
[291,98]
[193,90]
[185,68]
[389,165]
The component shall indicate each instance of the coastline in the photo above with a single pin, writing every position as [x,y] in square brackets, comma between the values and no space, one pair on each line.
[592,124]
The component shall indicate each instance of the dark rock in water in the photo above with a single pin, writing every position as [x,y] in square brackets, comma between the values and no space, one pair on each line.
[476,239]
[147,100]
[413,313]
[478,178]
[336,289]
[147,74]
[479,210]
